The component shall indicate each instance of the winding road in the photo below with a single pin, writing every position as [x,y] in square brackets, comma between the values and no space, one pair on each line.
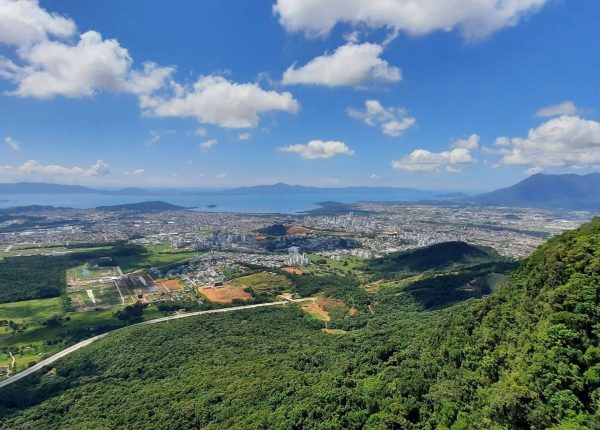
[73,348]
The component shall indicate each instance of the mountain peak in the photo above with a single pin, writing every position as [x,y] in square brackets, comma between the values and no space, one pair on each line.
[567,191]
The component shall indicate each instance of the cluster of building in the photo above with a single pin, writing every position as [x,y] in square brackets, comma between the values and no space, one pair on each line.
[385,227]
[217,266]
[297,258]
[372,229]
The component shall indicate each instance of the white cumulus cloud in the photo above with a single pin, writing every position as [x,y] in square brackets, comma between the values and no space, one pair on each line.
[23,22]
[216,100]
[475,19]
[393,121]
[319,149]
[566,141]
[51,59]
[471,142]
[564,108]
[32,167]
[422,160]
[54,68]
[208,144]
[350,65]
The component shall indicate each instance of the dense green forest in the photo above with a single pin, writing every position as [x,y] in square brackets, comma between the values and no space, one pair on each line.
[526,356]
[35,277]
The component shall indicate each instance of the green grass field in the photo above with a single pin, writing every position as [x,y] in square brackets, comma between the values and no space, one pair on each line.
[104,295]
[85,272]
[157,255]
[40,339]
[30,311]
[348,265]
[44,249]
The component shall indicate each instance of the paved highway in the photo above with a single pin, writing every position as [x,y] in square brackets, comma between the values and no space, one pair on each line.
[86,342]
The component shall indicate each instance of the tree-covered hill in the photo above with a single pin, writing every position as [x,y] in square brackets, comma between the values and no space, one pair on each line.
[440,256]
[274,230]
[525,357]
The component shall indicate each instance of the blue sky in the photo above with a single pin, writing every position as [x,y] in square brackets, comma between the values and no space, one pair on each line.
[463,94]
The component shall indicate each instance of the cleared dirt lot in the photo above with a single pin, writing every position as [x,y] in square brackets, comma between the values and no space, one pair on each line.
[317,311]
[293,270]
[225,294]
[322,307]
[168,285]
[298,229]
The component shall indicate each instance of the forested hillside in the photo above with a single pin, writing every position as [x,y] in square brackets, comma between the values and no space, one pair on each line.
[526,356]
[440,256]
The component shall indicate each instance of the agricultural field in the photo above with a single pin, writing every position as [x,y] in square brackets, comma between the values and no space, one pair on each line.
[169,285]
[138,286]
[95,295]
[90,287]
[225,294]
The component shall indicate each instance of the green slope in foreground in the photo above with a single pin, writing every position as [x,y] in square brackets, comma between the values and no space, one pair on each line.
[526,356]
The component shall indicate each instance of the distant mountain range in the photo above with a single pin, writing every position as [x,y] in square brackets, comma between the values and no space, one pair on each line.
[44,188]
[145,207]
[280,188]
[567,191]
